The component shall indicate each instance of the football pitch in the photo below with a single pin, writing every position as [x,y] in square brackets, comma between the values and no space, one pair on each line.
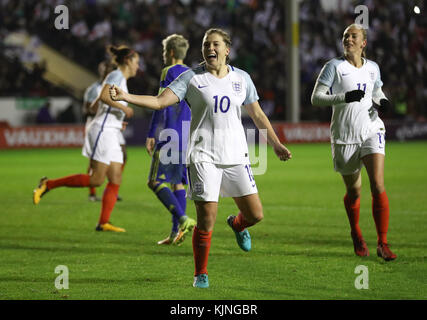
[301,250]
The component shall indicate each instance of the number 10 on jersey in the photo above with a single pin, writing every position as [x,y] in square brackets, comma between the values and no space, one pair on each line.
[224,104]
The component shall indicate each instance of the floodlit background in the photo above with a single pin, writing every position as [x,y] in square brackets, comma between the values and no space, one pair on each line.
[302,249]
[41,64]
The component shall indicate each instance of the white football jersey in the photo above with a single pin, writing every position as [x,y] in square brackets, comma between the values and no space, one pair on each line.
[356,121]
[107,116]
[90,95]
[216,130]
[92,92]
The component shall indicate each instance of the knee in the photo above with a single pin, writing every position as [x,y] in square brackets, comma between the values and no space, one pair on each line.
[377,188]
[95,182]
[353,193]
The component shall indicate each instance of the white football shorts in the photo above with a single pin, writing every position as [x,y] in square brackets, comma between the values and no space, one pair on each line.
[122,140]
[103,145]
[347,158]
[207,181]
[87,124]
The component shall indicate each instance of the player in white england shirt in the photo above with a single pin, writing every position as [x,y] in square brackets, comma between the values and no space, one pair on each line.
[350,84]
[217,156]
[90,106]
[102,142]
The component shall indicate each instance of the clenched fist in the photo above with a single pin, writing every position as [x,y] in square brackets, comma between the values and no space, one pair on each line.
[116,94]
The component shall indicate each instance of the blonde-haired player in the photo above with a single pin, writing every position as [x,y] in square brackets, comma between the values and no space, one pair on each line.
[172,118]
[357,132]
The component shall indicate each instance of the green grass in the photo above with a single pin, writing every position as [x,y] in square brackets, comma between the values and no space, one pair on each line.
[301,250]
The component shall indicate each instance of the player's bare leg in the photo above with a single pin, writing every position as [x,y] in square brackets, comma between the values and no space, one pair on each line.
[92,190]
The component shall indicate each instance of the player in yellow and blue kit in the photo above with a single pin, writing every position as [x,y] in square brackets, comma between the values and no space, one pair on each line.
[175,121]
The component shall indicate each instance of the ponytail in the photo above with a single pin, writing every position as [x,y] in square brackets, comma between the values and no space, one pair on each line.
[120,54]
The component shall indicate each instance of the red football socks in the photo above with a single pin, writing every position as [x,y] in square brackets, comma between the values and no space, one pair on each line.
[240,223]
[352,208]
[109,199]
[381,213]
[201,246]
[73,181]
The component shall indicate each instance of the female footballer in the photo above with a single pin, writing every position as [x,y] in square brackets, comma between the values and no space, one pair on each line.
[217,154]
[102,143]
[357,132]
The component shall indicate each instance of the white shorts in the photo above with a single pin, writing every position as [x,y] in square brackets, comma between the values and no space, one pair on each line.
[103,145]
[347,158]
[122,140]
[207,181]
[87,124]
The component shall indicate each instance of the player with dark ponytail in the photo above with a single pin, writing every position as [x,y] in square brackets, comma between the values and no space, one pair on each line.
[102,143]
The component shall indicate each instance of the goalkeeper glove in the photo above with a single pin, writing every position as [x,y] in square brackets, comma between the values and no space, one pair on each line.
[355,95]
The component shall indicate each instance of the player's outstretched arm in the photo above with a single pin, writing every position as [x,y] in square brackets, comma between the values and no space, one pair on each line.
[262,122]
[166,98]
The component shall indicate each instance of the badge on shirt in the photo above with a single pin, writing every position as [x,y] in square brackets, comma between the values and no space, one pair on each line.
[237,86]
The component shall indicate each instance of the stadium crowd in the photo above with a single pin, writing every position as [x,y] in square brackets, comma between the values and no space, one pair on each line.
[396,41]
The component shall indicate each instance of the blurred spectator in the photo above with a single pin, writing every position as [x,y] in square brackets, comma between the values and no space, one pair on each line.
[44,116]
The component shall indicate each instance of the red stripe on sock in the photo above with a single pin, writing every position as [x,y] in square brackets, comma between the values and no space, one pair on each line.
[352,207]
[73,181]
[109,199]
[240,223]
[201,246]
[381,214]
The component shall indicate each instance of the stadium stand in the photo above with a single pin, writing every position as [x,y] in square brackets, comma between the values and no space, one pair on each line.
[397,41]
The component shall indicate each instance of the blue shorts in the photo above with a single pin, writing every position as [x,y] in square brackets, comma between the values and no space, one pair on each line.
[171,173]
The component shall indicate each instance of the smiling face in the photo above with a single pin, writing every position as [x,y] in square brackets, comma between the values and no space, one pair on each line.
[354,41]
[215,50]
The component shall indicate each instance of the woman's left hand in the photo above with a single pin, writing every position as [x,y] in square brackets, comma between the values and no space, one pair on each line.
[282,152]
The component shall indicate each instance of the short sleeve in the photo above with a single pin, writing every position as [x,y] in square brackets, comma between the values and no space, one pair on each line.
[327,74]
[114,77]
[180,85]
[86,95]
[90,94]
[251,93]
